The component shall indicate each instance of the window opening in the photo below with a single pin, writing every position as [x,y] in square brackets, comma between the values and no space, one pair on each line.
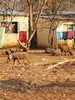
[10,27]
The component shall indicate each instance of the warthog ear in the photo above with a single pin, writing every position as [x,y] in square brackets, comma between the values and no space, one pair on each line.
[6,52]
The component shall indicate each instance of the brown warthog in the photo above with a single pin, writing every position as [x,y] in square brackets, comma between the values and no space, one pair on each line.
[16,56]
[52,51]
[65,50]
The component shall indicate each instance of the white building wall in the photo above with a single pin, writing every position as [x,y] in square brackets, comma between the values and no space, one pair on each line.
[11,38]
[43,31]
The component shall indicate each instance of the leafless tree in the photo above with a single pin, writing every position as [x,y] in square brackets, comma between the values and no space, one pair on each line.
[52,8]
[35,7]
[54,11]
[8,7]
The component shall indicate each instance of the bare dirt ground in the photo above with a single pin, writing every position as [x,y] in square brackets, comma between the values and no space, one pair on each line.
[38,80]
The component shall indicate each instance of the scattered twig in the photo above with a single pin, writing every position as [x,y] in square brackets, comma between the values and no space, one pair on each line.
[60,63]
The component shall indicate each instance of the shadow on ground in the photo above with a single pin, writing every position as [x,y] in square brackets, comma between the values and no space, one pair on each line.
[16,85]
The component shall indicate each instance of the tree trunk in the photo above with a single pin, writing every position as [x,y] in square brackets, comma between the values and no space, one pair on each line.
[32,29]
[30,18]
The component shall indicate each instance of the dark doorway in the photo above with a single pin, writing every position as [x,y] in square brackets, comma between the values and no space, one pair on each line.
[34,42]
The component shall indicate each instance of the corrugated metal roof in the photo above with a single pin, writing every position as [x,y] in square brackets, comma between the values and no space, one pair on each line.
[12,13]
[59,17]
[68,12]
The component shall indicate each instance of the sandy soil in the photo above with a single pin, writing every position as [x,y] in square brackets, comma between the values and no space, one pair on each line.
[37,80]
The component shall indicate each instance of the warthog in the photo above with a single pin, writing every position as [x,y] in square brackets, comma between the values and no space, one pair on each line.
[16,50]
[16,56]
[65,50]
[51,51]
